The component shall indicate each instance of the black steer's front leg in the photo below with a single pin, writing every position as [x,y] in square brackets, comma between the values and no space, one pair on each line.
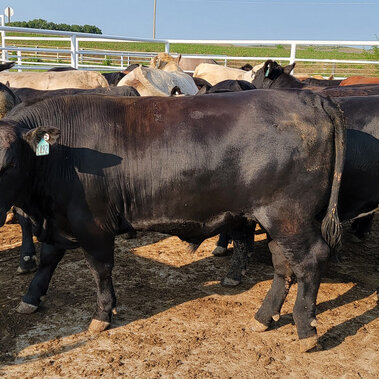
[50,256]
[28,259]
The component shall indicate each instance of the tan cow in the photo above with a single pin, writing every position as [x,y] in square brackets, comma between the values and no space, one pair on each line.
[166,62]
[215,73]
[185,64]
[154,82]
[54,80]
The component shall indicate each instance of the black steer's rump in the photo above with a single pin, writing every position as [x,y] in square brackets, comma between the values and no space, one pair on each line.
[190,166]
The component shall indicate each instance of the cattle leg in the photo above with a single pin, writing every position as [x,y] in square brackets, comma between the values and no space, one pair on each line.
[106,299]
[50,256]
[242,246]
[28,259]
[221,245]
[283,279]
[307,255]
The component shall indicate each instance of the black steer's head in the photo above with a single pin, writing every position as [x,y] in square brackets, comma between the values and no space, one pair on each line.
[271,70]
[17,154]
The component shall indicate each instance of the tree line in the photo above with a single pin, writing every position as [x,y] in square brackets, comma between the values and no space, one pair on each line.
[43,24]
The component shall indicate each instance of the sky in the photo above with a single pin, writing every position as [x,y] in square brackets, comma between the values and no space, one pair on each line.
[212,19]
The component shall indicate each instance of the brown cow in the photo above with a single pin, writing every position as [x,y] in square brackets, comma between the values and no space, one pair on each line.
[353,80]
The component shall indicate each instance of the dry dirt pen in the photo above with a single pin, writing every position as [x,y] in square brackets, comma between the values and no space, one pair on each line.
[175,320]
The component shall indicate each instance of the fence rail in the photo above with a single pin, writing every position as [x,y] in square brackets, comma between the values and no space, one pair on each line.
[39,58]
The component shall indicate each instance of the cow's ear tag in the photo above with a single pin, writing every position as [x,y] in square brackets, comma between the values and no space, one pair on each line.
[267,71]
[43,146]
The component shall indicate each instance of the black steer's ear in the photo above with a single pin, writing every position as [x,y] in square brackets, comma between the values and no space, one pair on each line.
[268,68]
[49,134]
[289,68]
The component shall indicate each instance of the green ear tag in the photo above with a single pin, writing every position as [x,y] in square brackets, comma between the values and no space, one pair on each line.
[43,146]
[267,71]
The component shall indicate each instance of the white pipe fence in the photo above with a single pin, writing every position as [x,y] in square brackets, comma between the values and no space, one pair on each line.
[91,59]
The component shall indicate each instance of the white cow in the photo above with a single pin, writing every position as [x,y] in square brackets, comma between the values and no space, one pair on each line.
[214,74]
[54,79]
[157,82]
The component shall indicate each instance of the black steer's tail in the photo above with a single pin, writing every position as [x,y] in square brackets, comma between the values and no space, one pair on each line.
[331,227]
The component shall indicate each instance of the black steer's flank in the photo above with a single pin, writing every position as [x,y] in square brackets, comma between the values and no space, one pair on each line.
[189,166]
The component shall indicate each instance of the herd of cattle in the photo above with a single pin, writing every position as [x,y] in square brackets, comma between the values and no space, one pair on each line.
[85,157]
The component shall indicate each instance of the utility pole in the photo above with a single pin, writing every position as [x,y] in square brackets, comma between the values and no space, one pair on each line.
[154,17]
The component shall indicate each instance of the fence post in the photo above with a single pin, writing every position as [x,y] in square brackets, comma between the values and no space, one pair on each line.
[19,60]
[293,54]
[167,47]
[74,50]
[3,52]
[121,61]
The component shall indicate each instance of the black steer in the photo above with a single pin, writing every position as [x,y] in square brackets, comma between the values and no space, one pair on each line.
[189,166]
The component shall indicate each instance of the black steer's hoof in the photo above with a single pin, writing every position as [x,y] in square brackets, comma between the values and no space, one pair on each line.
[26,308]
[220,251]
[27,264]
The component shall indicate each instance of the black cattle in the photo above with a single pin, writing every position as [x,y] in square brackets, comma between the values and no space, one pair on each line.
[273,75]
[27,262]
[229,85]
[361,113]
[6,66]
[247,67]
[201,84]
[60,69]
[188,166]
[28,95]
[113,77]
[356,90]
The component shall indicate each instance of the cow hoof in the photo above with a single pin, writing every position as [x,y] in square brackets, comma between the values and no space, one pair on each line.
[229,282]
[220,251]
[114,311]
[26,308]
[257,326]
[276,317]
[11,219]
[97,326]
[22,271]
[308,343]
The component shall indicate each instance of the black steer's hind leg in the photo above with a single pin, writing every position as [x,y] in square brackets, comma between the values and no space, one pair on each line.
[283,279]
[221,245]
[307,253]
[242,245]
[49,259]
[28,259]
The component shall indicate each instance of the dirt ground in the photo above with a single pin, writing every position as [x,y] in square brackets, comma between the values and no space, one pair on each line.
[176,320]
